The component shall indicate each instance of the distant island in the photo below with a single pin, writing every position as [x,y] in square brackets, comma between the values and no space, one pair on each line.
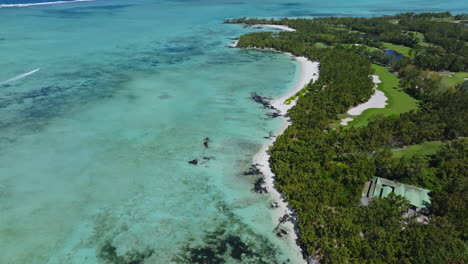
[375,180]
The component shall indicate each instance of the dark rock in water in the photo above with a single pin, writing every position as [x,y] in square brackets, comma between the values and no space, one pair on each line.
[285,218]
[108,253]
[253,170]
[206,141]
[259,186]
[274,205]
[194,162]
[264,101]
[238,247]
[233,38]
[164,96]
[274,114]
[206,159]
[270,135]
[281,232]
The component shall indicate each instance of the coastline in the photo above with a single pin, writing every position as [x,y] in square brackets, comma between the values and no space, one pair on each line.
[283,216]
[280,27]
[309,71]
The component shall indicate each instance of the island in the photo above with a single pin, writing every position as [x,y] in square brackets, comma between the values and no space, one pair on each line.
[388,109]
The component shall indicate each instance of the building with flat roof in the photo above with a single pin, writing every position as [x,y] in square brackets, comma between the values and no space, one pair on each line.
[381,188]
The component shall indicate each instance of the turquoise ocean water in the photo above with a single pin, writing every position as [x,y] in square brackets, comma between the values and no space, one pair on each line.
[119,95]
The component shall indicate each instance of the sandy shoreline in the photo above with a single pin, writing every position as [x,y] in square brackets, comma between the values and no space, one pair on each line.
[280,27]
[308,71]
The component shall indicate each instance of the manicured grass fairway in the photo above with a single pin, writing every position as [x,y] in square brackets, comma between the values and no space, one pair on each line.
[452,80]
[398,101]
[321,45]
[426,148]
[398,48]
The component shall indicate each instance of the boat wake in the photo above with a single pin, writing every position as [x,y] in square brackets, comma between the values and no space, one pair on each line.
[42,3]
[21,76]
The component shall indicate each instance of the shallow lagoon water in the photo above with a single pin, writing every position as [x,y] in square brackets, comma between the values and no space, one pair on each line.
[94,147]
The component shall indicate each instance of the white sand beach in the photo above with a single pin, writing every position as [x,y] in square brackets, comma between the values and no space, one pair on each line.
[377,100]
[234,44]
[309,71]
[280,27]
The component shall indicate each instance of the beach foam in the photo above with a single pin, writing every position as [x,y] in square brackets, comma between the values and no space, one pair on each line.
[234,44]
[43,3]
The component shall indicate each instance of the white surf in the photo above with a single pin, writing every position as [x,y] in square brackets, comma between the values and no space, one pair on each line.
[43,3]
[21,76]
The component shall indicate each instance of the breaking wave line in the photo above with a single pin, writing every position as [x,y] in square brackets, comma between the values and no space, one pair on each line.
[21,76]
[43,3]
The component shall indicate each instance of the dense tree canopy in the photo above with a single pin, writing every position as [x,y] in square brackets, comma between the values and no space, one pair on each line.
[445,48]
[321,169]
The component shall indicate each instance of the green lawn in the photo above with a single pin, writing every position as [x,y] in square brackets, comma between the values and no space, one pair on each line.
[443,19]
[398,101]
[452,80]
[424,44]
[426,148]
[398,48]
[320,45]
[368,48]
[420,37]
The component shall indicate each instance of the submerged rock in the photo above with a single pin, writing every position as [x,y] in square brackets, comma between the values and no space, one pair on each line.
[274,114]
[270,135]
[253,170]
[194,161]
[230,242]
[264,101]
[109,254]
[285,218]
[281,232]
[259,186]
[206,141]
[205,160]
[164,96]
